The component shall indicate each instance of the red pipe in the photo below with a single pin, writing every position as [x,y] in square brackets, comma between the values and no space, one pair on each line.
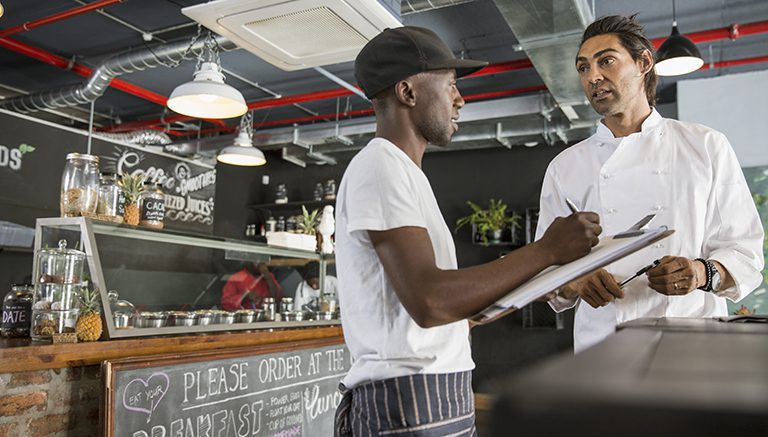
[363,112]
[82,70]
[734,62]
[732,32]
[58,17]
[502,67]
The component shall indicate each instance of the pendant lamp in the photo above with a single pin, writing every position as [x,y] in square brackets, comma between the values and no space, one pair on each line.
[207,96]
[243,152]
[677,55]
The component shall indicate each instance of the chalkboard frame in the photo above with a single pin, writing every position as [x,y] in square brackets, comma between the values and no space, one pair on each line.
[110,368]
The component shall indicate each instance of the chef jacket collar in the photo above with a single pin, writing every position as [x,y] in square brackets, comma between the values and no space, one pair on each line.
[649,124]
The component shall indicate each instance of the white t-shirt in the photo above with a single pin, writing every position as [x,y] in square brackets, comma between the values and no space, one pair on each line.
[686,174]
[306,295]
[384,189]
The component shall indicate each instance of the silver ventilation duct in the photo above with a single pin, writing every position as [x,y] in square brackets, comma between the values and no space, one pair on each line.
[128,62]
[145,137]
[550,32]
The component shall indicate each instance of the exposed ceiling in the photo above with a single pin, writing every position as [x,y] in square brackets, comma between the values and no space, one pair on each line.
[528,43]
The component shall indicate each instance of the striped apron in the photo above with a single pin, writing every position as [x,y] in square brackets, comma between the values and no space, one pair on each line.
[422,405]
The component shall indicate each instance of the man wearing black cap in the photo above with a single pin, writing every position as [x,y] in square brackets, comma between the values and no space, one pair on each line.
[403,300]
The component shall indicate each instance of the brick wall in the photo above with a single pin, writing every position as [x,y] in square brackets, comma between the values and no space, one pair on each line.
[55,402]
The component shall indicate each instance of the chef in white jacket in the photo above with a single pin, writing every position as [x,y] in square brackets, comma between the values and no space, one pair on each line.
[639,163]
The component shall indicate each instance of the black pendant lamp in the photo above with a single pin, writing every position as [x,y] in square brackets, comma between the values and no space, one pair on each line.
[677,55]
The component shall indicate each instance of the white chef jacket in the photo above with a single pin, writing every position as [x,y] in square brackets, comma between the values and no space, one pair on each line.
[686,174]
[306,295]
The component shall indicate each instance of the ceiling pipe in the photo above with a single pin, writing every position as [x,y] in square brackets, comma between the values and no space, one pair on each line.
[100,78]
[732,32]
[502,67]
[359,112]
[58,17]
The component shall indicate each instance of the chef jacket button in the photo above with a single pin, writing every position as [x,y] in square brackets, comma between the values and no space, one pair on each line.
[658,208]
[611,210]
[658,246]
[657,172]
[606,175]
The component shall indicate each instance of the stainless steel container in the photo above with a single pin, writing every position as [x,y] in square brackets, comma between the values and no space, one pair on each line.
[270,308]
[286,304]
[293,316]
[324,315]
[121,319]
[204,317]
[245,316]
[181,318]
[221,317]
[151,319]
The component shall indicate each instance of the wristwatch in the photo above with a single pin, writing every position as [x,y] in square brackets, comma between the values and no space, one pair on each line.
[713,276]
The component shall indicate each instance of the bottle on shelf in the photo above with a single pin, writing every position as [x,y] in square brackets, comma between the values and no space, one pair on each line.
[152,206]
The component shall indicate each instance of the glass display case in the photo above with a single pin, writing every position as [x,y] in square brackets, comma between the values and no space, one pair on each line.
[176,283]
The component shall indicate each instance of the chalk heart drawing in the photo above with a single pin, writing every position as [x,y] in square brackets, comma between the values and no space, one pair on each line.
[143,396]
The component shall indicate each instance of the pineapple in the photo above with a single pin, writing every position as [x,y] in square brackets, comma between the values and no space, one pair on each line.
[88,326]
[132,186]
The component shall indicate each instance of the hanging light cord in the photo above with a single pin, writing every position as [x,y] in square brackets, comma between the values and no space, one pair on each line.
[674,15]
[246,123]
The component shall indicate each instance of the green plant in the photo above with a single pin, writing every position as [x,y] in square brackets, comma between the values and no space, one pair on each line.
[495,218]
[307,222]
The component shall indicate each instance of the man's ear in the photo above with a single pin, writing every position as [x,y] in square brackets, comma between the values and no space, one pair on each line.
[646,62]
[404,91]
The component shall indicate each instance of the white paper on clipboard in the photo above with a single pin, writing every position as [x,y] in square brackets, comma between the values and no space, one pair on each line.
[607,251]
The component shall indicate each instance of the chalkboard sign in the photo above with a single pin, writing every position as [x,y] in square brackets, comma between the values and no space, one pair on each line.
[290,389]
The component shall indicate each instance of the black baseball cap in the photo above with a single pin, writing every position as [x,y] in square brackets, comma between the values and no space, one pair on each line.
[398,53]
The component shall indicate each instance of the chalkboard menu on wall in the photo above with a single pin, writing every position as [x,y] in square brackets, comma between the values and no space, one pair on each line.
[32,158]
[280,390]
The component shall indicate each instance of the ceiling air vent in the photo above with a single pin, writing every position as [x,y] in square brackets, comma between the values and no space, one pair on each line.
[298,34]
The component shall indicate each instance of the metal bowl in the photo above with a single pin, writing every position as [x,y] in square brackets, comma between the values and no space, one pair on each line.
[151,319]
[204,317]
[249,316]
[121,319]
[324,315]
[181,318]
[293,316]
[221,317]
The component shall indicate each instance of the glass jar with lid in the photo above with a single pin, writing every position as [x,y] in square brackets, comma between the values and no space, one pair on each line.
[80,185]
[17,311]
[152,206]
[58,281]
[111,204]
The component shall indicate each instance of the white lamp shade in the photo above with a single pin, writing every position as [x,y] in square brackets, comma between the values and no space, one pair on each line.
[241,155]
[678,66]
[207,99]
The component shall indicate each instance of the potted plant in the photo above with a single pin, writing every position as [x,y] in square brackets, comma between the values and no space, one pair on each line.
[491,221]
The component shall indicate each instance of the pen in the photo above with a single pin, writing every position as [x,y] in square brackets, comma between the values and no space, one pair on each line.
[572,206]
[640,272]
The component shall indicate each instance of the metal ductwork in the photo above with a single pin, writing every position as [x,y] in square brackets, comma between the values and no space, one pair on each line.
[128,62]
[550,32]
[145,137]
[408,7]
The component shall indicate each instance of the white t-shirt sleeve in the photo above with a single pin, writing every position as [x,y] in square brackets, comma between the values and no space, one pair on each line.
[382,194]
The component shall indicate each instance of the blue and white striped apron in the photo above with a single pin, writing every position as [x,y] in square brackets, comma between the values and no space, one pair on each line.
[421,405]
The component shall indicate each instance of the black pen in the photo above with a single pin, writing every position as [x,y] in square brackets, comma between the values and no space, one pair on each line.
[640,272]
[572,206]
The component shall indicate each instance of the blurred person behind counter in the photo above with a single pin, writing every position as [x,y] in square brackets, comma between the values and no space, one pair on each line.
[249,286]
[308,291]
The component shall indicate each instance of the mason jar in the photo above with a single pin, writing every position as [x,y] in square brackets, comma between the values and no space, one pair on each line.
[151,206]
[111,203]
[80,185]
[17,311]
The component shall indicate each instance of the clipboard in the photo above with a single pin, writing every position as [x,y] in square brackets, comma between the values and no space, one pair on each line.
[609,249]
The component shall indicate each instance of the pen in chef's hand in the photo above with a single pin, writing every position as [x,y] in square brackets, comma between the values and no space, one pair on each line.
[572,206]
[640,272]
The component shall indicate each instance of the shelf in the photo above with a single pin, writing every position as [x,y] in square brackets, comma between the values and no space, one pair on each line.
[310,204]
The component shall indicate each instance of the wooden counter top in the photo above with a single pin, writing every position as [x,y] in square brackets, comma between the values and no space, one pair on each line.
[18,355]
